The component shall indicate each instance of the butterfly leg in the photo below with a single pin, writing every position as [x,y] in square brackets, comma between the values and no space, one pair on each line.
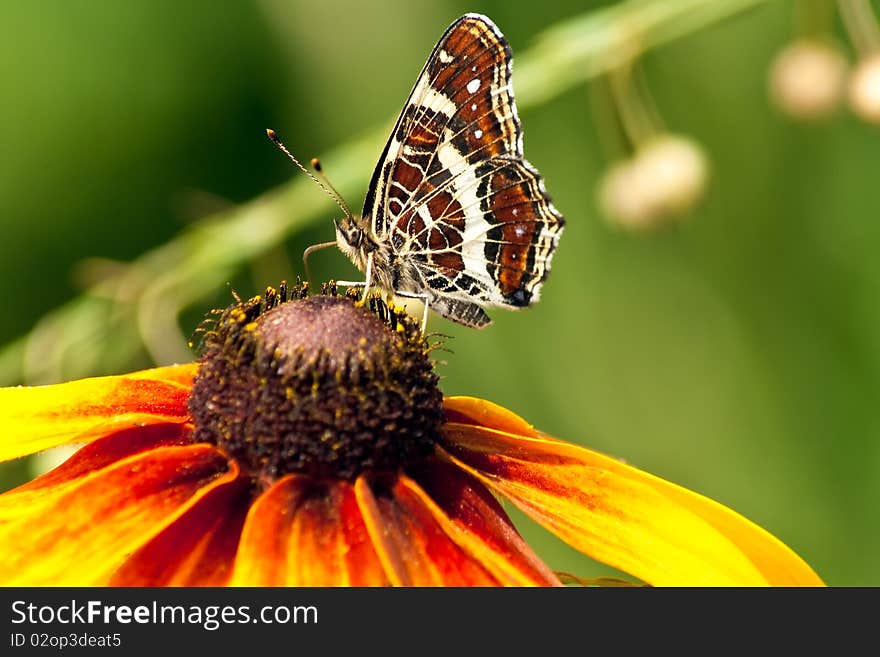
[368,276]
[424,298]
[367,283]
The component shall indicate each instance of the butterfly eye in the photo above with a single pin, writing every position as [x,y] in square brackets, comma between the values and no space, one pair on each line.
[355,236]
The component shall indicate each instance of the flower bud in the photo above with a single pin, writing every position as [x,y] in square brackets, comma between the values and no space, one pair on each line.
[665,179]
[807,79]
[864,89]
[619,197]
[673,171]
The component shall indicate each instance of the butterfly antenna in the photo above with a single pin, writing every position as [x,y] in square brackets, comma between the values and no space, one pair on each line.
[316,165]
[329,189]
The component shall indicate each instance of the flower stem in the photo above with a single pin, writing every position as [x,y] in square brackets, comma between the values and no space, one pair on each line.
[813,18]
[637,123]
[861,25]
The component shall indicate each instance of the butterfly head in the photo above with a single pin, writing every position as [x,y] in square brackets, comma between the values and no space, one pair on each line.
[354,240]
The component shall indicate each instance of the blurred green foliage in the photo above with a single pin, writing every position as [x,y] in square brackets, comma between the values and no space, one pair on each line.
[736,354]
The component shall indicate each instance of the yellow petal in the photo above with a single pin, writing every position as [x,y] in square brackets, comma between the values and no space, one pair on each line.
[471,410]
[39,417]
[650,528]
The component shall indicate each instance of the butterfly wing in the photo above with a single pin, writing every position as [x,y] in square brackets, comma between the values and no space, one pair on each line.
[452,192]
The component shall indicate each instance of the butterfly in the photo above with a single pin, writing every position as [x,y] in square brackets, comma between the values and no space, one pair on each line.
[454,215]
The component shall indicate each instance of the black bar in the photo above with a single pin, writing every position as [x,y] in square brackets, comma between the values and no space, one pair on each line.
[458,621]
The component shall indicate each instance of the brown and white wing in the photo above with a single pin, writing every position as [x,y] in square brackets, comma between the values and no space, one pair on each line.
[452,192]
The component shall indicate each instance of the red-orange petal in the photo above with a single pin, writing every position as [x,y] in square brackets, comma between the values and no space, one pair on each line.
[198,548]
[475,519]
[99,454]
[303,533]
[39,417]
[78,533]
[415,547]
[657,531]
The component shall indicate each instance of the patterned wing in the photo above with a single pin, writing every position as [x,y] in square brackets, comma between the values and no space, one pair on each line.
[452,192]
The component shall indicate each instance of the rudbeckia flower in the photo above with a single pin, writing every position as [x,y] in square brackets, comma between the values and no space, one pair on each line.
[310,445]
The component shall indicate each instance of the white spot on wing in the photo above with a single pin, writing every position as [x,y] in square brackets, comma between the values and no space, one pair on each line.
[478,134]
[473,107]
[473,85]
[445,57]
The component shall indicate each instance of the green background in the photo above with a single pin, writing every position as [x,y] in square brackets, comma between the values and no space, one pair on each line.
[736,353]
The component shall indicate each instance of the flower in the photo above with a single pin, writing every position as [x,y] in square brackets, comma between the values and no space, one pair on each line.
[310,446]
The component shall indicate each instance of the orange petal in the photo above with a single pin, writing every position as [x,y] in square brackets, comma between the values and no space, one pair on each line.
[198,548]
[471,410]
[300,533]
[329,543]
[475,519]
[39,417]
[262,554]
[411,542]
[634,521]
[77,534]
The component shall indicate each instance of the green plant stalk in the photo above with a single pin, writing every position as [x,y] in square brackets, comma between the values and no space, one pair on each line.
[107,327]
